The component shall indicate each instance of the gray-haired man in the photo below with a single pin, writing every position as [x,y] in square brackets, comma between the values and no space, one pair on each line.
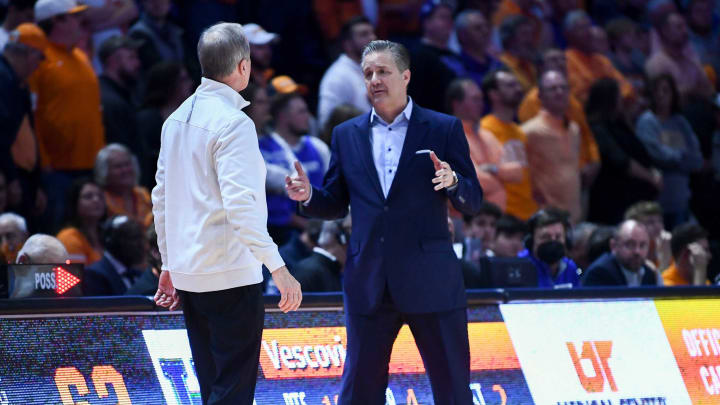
[211,222]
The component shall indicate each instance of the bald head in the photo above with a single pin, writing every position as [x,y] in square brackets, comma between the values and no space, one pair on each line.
[42,249]
[554,92]
[630,244]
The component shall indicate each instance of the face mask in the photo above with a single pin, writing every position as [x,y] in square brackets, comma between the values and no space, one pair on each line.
[551,252]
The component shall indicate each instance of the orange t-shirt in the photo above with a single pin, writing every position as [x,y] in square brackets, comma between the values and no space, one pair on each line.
[585,69]
[520,202]
[553,150]
[589,153]
[523,70]
[142,206]
[672,277]
[68,116]
[79,247]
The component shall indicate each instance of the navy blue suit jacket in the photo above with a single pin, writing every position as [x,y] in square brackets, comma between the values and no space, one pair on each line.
[401,242]
[101,278]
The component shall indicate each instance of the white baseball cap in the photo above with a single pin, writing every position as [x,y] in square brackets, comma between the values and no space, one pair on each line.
[45,9]
[256,35]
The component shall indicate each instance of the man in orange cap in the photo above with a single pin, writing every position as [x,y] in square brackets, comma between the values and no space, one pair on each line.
[20,58]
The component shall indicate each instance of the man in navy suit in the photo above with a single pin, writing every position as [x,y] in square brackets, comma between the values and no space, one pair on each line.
[396,167]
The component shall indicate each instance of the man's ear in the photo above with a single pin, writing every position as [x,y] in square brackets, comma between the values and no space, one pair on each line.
[406,76]
[22,259]
[244,66]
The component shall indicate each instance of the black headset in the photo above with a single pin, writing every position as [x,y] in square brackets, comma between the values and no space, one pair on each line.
[551,215]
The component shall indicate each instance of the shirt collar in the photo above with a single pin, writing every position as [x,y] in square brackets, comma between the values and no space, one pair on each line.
[223,90]
[325,253]
[404,114]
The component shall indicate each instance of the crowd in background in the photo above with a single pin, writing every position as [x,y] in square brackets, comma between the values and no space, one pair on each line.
[593,125]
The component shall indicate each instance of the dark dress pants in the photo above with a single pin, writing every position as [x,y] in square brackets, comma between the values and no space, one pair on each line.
[441,338]
[225,330]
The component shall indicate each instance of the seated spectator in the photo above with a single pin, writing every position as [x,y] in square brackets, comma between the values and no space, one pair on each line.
[516,37]
[705,32]
[434,64]
[585,66]
[673,147]
[13,234]
[85,212]
[117,172]
[123,261]
[505,94]
[547,247]
[474,35]
[599,243]
[650,214]
[259,108]
[553,148]
[559,10]
[465,101]
[161,39]
[672,59]
[121,70]
[42,249]
[624,53]
[260,53]
[322,270]
[480,232]
[554,59]
[147,282]
[68,113]
[625,264]
[541,32]
[168,85]
[472,275]
[626,173]
[509,236]
[339,114]
[104,19]
[287,144]
[344,82]
[691,251]
[17,12]
[301,245]
[579,237]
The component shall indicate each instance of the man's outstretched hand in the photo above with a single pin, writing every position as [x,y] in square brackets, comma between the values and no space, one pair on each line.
[290,293]
[298,187]
[444,176]
[166,295]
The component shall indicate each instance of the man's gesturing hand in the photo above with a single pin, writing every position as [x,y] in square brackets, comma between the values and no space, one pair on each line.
[298,187]
[166,295]
[444,176]
[290,293]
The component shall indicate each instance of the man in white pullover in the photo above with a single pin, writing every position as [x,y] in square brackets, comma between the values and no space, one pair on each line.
[211,222]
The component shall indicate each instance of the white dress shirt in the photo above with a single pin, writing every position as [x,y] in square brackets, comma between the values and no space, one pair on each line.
[209,202]
[387,142]
[343,83]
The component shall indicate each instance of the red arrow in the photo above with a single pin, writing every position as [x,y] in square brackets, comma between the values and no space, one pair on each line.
[64,280]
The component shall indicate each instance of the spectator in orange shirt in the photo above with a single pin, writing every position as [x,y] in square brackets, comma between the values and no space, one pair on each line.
[117,171]
[465,101]
[691,251]
[553,149]
[584,65]
[554,59]
[518,55]
[68,118]
[85,213]
[505,93]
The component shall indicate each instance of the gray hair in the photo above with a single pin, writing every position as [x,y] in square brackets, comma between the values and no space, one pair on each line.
[14,219]
[329,233]
[462,19]
[43,249]
[221,48]
[100,171]
[398,52]
[573,18]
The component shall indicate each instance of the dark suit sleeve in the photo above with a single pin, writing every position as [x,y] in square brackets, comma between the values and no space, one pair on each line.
[332,200]
[95,284]
[597,277]
[468,194]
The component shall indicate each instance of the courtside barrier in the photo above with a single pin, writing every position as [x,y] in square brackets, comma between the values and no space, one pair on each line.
[561,347]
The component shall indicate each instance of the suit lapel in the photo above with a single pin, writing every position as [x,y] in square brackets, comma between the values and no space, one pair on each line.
[362,143]
[416,132]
